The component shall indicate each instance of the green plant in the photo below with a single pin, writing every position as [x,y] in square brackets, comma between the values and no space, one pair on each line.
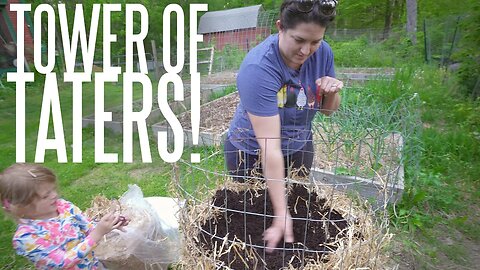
[225,91]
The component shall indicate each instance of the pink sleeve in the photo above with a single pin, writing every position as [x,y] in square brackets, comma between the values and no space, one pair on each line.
[44,253]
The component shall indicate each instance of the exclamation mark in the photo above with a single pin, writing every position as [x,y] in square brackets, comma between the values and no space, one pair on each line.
[195,111]
[195,77]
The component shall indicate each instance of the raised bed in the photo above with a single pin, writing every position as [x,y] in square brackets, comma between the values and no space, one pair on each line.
[365,74]
[215,119]
[370,165]
[116,125]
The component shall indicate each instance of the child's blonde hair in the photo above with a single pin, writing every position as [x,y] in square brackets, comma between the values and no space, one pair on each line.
[19,182]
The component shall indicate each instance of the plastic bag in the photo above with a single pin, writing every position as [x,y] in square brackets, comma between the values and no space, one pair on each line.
[149,239]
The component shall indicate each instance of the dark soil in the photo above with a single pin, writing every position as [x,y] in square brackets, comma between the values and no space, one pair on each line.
[311,240]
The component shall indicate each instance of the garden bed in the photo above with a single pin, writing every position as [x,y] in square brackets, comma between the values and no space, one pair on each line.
[370,165]
[365,74]
[214,121]
[116,125]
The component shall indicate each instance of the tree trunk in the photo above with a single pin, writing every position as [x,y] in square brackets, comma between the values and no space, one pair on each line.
[388,18]
[399,11]
[412,20]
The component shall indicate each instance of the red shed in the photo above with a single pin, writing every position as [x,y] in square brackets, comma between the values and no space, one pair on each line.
[236,27]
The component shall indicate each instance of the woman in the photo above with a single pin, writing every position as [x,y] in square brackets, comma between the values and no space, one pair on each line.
[282,83]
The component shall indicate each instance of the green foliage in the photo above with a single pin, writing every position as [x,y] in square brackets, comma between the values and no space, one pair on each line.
[360,52]
[468,54]
[221,5]
[155,22]
[441,38]
[229,58]
[443,8]
[372,14]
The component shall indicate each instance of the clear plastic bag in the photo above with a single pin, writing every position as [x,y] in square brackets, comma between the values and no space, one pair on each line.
[150,239]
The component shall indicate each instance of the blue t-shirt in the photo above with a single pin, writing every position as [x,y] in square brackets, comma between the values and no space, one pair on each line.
[267,87]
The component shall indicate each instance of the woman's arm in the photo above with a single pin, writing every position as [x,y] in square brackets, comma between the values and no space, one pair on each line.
[267,132]
[331,103]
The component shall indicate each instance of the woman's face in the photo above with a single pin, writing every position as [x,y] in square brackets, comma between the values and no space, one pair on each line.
[299,43]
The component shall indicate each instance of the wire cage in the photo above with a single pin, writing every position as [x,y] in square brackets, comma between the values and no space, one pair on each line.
[338,205]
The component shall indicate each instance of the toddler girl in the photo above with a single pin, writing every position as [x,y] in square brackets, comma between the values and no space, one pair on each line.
[52,232]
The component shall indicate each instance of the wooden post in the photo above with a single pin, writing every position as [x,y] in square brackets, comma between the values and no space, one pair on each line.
[211,61]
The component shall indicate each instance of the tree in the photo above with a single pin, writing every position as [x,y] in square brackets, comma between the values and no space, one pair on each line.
[412,20]
[388,18]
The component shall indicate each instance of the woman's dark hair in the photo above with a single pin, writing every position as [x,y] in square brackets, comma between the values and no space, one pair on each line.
[291,15]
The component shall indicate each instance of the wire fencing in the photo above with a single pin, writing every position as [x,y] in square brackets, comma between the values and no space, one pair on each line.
[441,39]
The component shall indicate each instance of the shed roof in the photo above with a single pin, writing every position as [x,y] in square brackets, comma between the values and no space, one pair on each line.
[230,19]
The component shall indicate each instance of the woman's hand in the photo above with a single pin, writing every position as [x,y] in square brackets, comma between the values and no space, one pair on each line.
[328,85]
[329,88]
[282,227]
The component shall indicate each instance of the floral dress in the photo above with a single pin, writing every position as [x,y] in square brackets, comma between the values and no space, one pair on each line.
[58,243]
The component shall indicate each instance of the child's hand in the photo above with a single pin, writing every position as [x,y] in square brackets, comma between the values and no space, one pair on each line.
[123,221]
[108,223]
